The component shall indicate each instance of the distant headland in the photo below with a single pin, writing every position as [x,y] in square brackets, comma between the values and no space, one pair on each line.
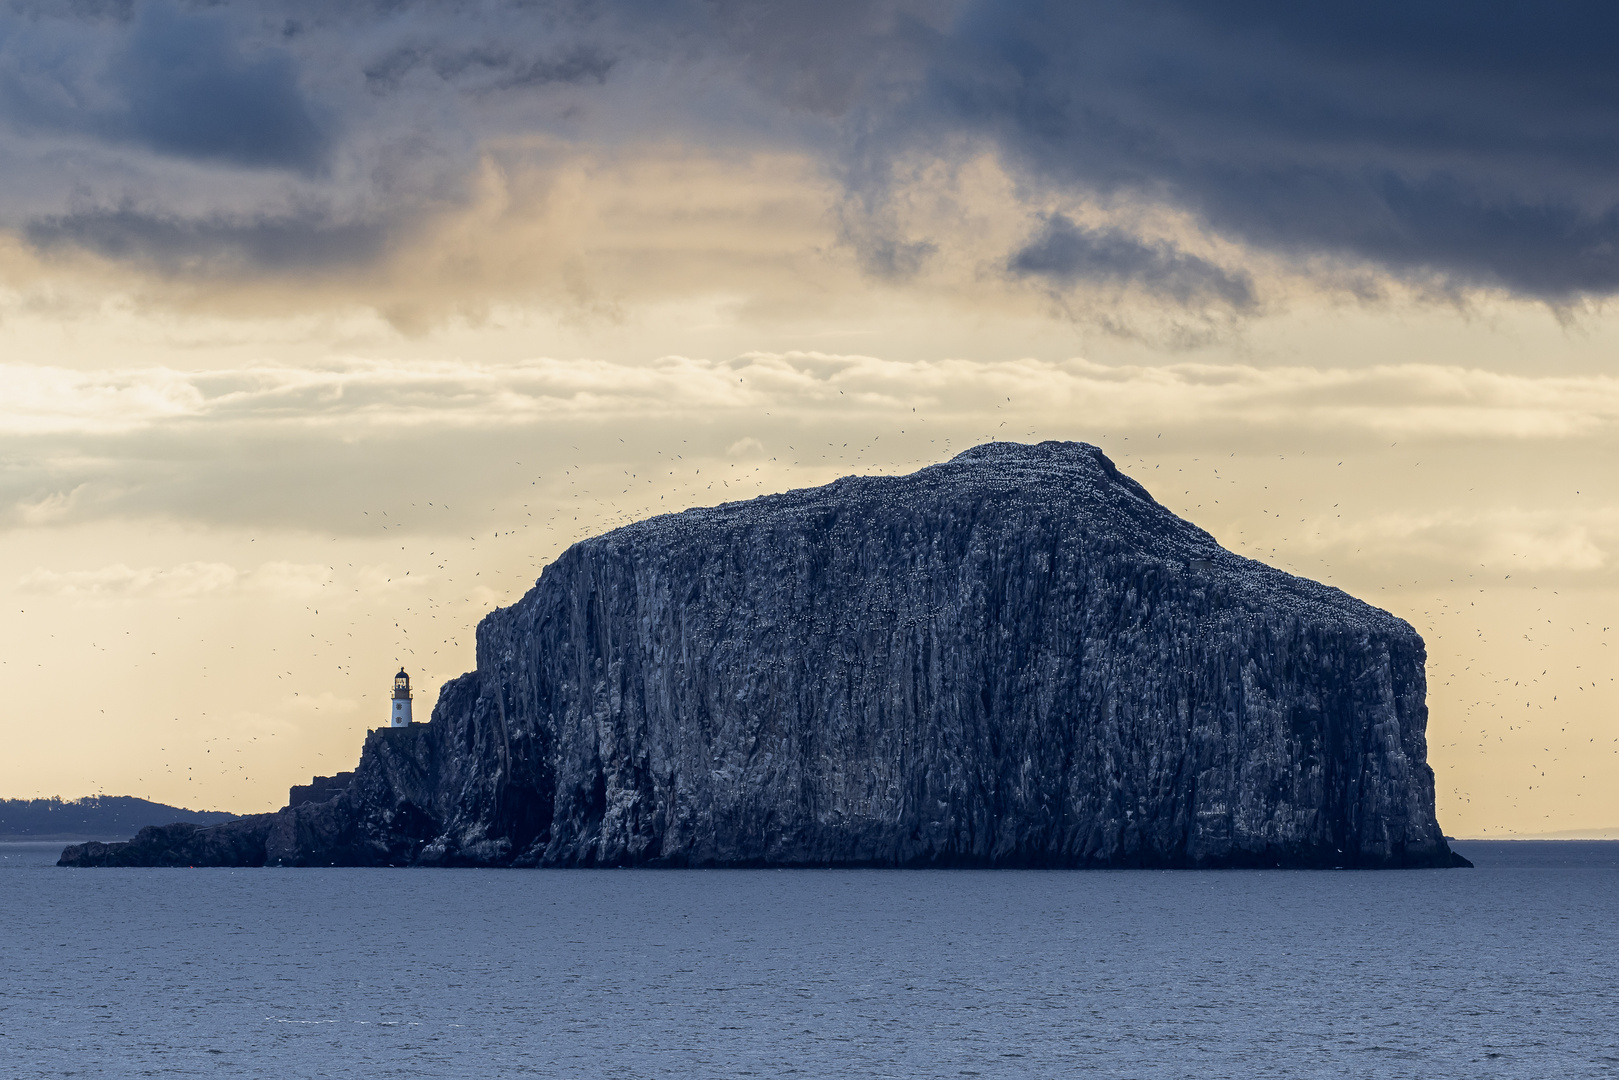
[94,817]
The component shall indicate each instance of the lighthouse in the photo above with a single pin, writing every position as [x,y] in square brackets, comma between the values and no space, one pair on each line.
[401,713]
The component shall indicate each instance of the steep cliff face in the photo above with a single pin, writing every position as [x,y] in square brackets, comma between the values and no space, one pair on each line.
[1015,658]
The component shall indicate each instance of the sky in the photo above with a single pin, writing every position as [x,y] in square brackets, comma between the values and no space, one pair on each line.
[325,326]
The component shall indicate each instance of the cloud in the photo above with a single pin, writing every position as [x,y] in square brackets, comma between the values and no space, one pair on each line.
[486,68]
[216,245]
[1510,539]
[383,398]
[1065,253]
[184,581]
[191,91]
[1473,144]
[120,581]
[329,448]
[188,83]
[48,508]
[48,400]
[1454,147]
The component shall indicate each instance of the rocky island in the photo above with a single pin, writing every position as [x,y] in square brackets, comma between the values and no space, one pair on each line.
[1016,658]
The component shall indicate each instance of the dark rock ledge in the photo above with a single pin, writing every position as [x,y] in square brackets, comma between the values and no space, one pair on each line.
[1014,659]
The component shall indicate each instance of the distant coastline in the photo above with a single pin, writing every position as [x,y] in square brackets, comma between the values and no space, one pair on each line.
[58,838]
[1564,834]
[93,817]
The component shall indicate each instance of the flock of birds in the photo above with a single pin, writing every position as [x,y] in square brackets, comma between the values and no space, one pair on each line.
[438,577]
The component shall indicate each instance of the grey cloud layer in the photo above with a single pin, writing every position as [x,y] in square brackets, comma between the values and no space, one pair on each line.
[314,448]
[1064,252]
[1463,144]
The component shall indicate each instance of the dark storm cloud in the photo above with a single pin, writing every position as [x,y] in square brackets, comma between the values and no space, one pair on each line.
[192,92]
[488,69]
[1064,253]
[1474,141]
[1468,144]
[177,82]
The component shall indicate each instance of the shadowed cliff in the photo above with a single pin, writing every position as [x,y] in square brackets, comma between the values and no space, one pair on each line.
[1015,658]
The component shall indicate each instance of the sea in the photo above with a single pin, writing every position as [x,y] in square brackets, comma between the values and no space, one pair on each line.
[1510,969]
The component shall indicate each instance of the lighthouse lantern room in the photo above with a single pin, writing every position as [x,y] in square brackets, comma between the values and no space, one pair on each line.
[401,702]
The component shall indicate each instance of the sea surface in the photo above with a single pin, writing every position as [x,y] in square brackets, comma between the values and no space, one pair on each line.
[1507,970]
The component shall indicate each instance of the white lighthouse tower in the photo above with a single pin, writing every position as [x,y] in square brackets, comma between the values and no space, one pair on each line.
[401,713]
